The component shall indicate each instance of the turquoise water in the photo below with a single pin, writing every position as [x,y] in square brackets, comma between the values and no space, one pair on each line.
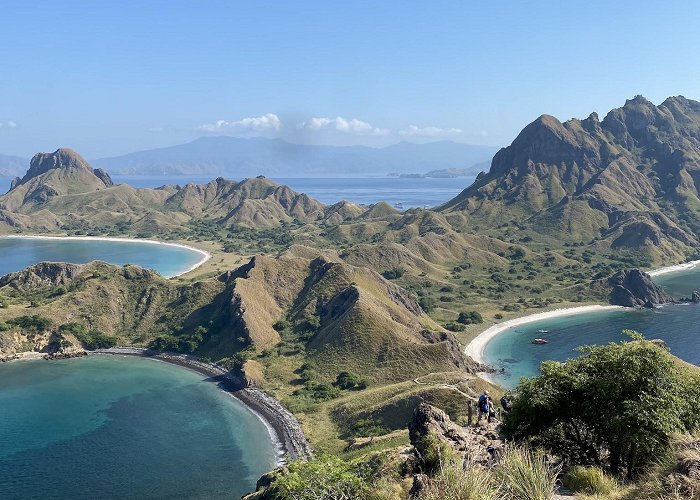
[18,253]
[678,325]
[124,427]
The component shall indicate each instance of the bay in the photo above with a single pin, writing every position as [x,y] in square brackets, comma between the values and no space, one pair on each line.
[124,427]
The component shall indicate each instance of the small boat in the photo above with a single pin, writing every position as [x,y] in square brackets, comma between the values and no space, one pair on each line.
[540,341]
[542,331]
[398,204]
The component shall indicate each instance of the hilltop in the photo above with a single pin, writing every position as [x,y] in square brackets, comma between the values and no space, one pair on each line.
[628,181]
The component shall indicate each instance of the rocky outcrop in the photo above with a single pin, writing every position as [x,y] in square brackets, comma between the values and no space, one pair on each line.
[634,288]
[41,275]
[478,444]
[63,158]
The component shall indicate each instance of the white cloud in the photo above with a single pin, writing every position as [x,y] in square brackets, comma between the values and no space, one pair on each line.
[269,122]
[415,131]
[8,124]
[340,124]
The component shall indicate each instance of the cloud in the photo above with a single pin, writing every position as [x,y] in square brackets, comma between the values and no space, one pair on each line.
[414,131]
[8,124]
[340,124]
[269,122]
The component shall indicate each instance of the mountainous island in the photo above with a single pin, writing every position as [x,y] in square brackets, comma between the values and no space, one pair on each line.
[355,317]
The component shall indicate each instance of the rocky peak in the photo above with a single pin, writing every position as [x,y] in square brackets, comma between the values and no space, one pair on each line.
[42,274]
[63,158]
[634,288]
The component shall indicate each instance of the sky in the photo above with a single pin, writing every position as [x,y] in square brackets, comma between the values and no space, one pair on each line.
[108,78]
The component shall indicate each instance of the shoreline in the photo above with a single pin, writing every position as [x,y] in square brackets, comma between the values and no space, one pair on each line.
[672,269]
[284,429]
[475,348]
[205,255]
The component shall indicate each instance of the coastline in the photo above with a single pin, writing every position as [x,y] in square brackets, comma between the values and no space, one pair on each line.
[285,431]
[475,348]
[672,269]
[205,255]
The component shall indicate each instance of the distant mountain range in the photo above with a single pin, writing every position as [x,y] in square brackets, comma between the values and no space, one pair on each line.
[11,166]
[238,158]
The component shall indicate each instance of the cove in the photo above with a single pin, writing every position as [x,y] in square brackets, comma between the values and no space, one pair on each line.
[124,427]
[513,355]
[19,252]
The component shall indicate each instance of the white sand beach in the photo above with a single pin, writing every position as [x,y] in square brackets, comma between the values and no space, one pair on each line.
[205,255]
[475,348]
[678,267]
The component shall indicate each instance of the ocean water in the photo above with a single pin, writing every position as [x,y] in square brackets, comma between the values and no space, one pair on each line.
[18,253]
[678,325]
[409,192]
[124,427]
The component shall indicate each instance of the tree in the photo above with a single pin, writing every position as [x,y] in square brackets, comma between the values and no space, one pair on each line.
[616,406]
[470,317]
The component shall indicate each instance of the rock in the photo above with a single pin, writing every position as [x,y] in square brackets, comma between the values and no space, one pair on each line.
[475,443]
[15,182]
[43,274]
[634,288]
[104,177]
[696,297]
[63,158]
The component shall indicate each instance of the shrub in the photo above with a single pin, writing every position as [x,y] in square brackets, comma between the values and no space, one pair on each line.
[470,317]
[616,405]
[90,339]
[394,273]
[349,380]
[36,324]
[588,480]
[427,304]
[526,475]
[454,327]
[454,482]
[367,427]
[321,477]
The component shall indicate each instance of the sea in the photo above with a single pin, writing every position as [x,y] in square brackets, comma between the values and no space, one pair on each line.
[514,356]
[122,427]
[169,260]
[403,191]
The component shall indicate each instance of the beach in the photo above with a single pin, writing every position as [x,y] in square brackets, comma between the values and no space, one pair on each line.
[475,348]
[205,255]
[678,267]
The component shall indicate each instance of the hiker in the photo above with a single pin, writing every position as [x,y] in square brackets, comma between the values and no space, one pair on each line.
[506,404]
[484,406]
[492,410]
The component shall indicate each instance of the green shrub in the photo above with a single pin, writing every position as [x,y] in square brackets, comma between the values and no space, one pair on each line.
[588,480]
[617,405]
[36,324]
[349,380]
[321,477]
[526,475]
[394,273]
[470,317]
[454,327]
[90,339]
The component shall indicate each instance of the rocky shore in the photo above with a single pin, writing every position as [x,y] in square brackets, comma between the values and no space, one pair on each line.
[287,430]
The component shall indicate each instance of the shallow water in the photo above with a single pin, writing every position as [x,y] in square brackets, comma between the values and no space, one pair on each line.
[124,427]
[18,253]
[678,325]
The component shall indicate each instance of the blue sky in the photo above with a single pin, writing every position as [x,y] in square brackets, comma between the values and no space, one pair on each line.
[111,77]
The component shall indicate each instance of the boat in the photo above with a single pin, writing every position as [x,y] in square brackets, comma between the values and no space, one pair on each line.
[540,341]
[542,331]
[398,204]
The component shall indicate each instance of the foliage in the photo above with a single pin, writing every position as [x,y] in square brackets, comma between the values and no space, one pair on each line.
[367,427]
[349,380]
[427,303]
[90,339]
[615,406]
[322,477]
[394,273]
[526,475]
[588,480]
[34,324]
[470,317]
[462,483]
[454,327]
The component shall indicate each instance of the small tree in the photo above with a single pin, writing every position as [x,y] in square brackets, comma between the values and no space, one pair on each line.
[615,406]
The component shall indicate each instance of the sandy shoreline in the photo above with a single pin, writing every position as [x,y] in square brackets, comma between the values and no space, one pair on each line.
[205,255]
[475,348]
[678,267]
[284,429]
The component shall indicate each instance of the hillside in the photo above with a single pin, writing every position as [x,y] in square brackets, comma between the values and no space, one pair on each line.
[628,181]
[236,157]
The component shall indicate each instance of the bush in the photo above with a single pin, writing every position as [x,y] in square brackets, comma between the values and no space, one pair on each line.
[427,304]
[454,327]
[588,480]
[35,324]
[525,475]
[468,483]
[349,380]
[90,339]
[469,318]
[616,405]
[321,477]
[394,273]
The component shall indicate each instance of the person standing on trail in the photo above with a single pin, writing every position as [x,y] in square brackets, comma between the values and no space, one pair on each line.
[484,406]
